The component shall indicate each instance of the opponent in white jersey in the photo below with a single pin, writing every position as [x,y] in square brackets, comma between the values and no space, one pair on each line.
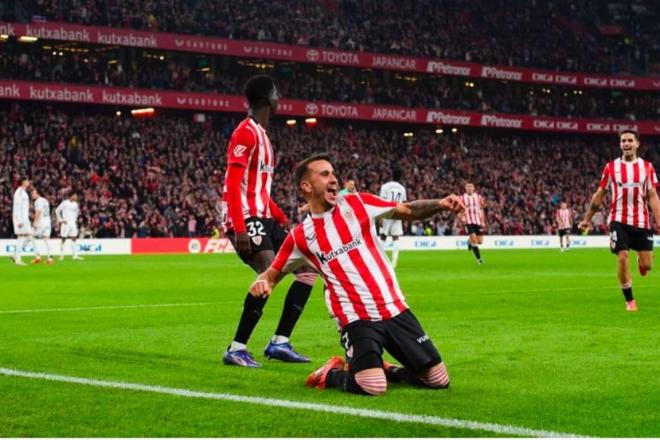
[474,219]
[564,218]
[339,239]
[41,224]
[632,181]
[21,220]
[67,216]
[394,192]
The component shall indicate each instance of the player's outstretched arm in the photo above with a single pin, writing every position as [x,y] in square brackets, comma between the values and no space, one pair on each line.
[421,209]
[266,282]
[596,202]
[654,201]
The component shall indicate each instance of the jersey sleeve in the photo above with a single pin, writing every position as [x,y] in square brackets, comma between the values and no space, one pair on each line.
[58,211]
[17,208]
[652,180]
[605,178]
[241,147]
[383,191]
[289,257]
[377,207]
[404,195]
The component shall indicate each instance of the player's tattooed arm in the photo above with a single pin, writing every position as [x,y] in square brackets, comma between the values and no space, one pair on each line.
[594,206]
[420,209]
[654,201]
[266,282]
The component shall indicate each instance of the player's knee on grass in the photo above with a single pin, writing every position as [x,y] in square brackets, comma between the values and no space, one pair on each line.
[372,381]
[436,376]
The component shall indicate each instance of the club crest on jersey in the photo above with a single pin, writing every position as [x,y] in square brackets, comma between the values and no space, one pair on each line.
[239,150]
[348,215]
[256,240]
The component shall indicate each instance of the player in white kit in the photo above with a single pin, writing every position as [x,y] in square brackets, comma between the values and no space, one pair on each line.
[67,216]
[41,225]
[393,191]
[21,220]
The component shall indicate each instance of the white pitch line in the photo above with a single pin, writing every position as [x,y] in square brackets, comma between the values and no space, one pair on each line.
[79,309]
[292,404]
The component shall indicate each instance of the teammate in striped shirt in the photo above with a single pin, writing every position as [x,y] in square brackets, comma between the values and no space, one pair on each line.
[339,239]
[632,182]
[255,224]
[474,219]
[394,192]
[564,218]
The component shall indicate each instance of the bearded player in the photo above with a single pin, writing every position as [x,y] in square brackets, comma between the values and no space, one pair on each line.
[632,182]
[339,239]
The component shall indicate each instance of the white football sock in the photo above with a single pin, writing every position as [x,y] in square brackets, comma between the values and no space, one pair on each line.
[395,252]
[20,241]
[277,339]
[31,241]
[235,346]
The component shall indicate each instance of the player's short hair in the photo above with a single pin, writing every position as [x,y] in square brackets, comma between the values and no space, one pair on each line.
[257,90]
[23,179]
[631,131]
[302,166]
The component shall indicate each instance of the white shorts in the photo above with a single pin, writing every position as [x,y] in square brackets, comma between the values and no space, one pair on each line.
[42,231]
[25,229]
[69,231]
[392,228]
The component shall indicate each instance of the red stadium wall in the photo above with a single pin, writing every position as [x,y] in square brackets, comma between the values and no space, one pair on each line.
[304,54]
[38,91]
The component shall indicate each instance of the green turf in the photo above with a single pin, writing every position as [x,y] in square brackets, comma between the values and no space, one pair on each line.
[535,339]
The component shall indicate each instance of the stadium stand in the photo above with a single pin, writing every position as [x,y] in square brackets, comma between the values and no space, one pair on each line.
[597,36]
[151,177]
[180,71]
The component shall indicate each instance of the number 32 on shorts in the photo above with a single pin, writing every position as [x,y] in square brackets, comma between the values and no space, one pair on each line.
[255,227]
[613,239]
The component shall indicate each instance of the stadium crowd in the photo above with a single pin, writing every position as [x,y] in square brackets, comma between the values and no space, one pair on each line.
[560,34]
[175,71]
[163,176]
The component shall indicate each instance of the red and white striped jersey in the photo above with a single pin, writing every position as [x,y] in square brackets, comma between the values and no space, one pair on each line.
[564,218]
[629,182]
[250,147]
[473,211]
[343,245]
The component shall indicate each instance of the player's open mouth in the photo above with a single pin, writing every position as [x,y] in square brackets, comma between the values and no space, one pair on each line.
[332,191]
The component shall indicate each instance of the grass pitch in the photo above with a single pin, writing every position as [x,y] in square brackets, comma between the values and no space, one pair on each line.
[535,339]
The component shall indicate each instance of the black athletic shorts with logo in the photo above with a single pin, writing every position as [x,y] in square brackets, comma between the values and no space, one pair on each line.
[474,229]
[624,237]
[402,337]
[563,232]
[265,235]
